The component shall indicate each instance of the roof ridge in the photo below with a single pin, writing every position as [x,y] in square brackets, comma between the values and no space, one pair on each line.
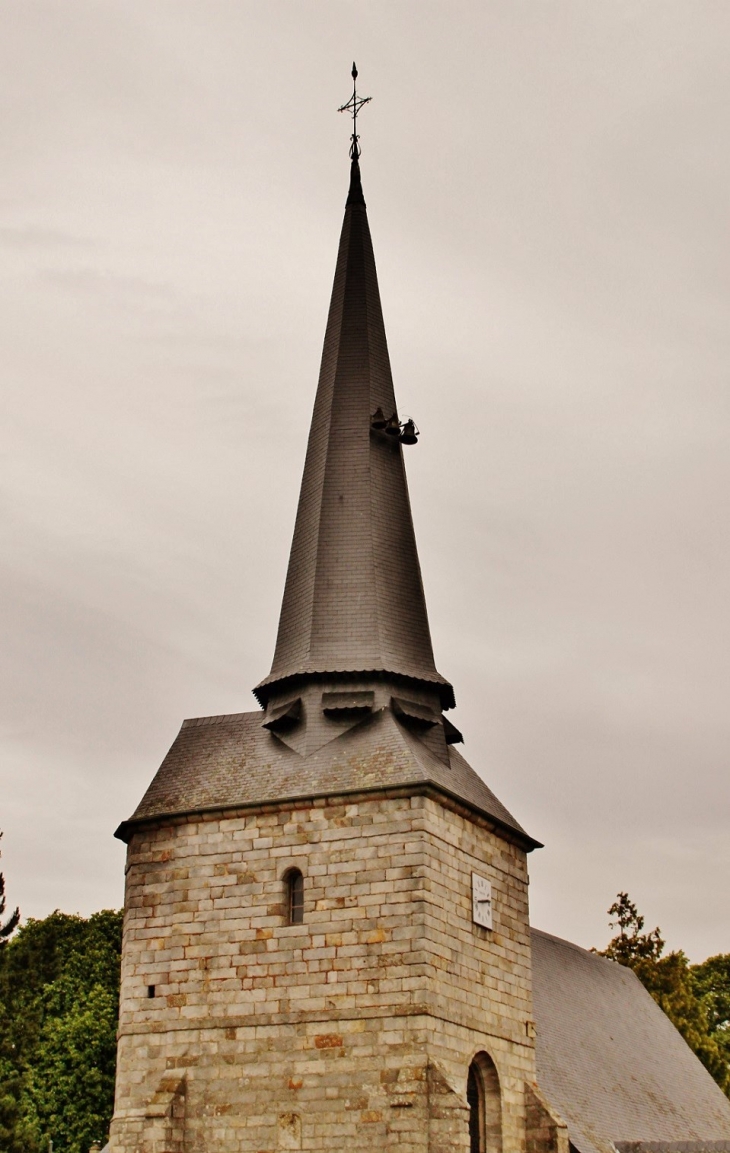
[559,940]
[219,718]
[590,953]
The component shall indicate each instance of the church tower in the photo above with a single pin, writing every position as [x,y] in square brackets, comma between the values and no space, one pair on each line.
[326,939]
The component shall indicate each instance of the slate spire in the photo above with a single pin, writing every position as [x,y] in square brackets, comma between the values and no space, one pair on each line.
[353,601]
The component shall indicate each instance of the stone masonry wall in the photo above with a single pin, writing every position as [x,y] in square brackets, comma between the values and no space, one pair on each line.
[479,980]
[352,1031]
[546,1130]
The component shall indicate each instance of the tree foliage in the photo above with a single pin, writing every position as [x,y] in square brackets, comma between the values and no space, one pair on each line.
[7,928]
[712,982]
[695,998]
[59,995]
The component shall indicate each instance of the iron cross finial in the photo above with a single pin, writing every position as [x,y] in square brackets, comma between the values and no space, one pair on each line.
[354,104]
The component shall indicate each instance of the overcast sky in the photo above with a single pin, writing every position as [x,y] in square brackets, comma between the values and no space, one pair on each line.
[547,186]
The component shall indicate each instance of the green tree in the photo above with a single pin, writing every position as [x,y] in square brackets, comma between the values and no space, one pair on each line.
[8,927]
[59,993]
[672,983]
[10,1080]
[630,946]
[712,981]
[11,1087]
[70,1085]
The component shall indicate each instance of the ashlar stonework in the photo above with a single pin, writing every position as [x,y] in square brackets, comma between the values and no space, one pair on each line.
[354,1030]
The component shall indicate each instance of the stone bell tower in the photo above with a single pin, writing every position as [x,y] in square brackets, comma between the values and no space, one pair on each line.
[326,940]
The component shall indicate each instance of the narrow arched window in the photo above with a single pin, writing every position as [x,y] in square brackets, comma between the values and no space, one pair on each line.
[294,897]
[485,1106]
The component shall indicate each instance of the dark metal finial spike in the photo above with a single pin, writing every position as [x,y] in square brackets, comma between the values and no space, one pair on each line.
[353,106]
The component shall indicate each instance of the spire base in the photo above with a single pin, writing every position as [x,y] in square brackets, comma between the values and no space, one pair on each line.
[272,686]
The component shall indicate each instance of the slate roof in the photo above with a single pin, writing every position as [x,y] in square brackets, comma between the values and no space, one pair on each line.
[610,1061]
[233,761]
[353,600]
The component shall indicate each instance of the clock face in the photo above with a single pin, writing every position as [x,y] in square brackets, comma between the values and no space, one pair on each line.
[481,901]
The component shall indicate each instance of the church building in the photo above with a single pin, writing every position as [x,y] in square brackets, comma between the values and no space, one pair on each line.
[327,943]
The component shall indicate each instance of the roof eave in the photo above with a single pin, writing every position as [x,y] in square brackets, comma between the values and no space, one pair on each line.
[266,687]
[519,837]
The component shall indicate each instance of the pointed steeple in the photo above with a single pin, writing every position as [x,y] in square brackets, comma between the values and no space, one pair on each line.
[353,601]
[353,702]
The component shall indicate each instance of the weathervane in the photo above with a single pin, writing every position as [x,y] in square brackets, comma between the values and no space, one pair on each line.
[354,104]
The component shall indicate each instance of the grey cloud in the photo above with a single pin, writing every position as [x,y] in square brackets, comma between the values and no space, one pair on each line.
[37,236]
[546,188]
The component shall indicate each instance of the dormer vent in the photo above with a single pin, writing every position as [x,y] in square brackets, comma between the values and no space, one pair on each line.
[414,714]
[452,734]
[281,718]
[346,704]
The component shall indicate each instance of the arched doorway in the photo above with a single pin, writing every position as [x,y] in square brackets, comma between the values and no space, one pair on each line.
[485,1106]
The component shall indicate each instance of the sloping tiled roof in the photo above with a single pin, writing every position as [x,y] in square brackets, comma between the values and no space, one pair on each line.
[610,1061]
[353,600]
[232,761]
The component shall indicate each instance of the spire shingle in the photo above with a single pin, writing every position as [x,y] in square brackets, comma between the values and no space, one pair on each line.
[353,600]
